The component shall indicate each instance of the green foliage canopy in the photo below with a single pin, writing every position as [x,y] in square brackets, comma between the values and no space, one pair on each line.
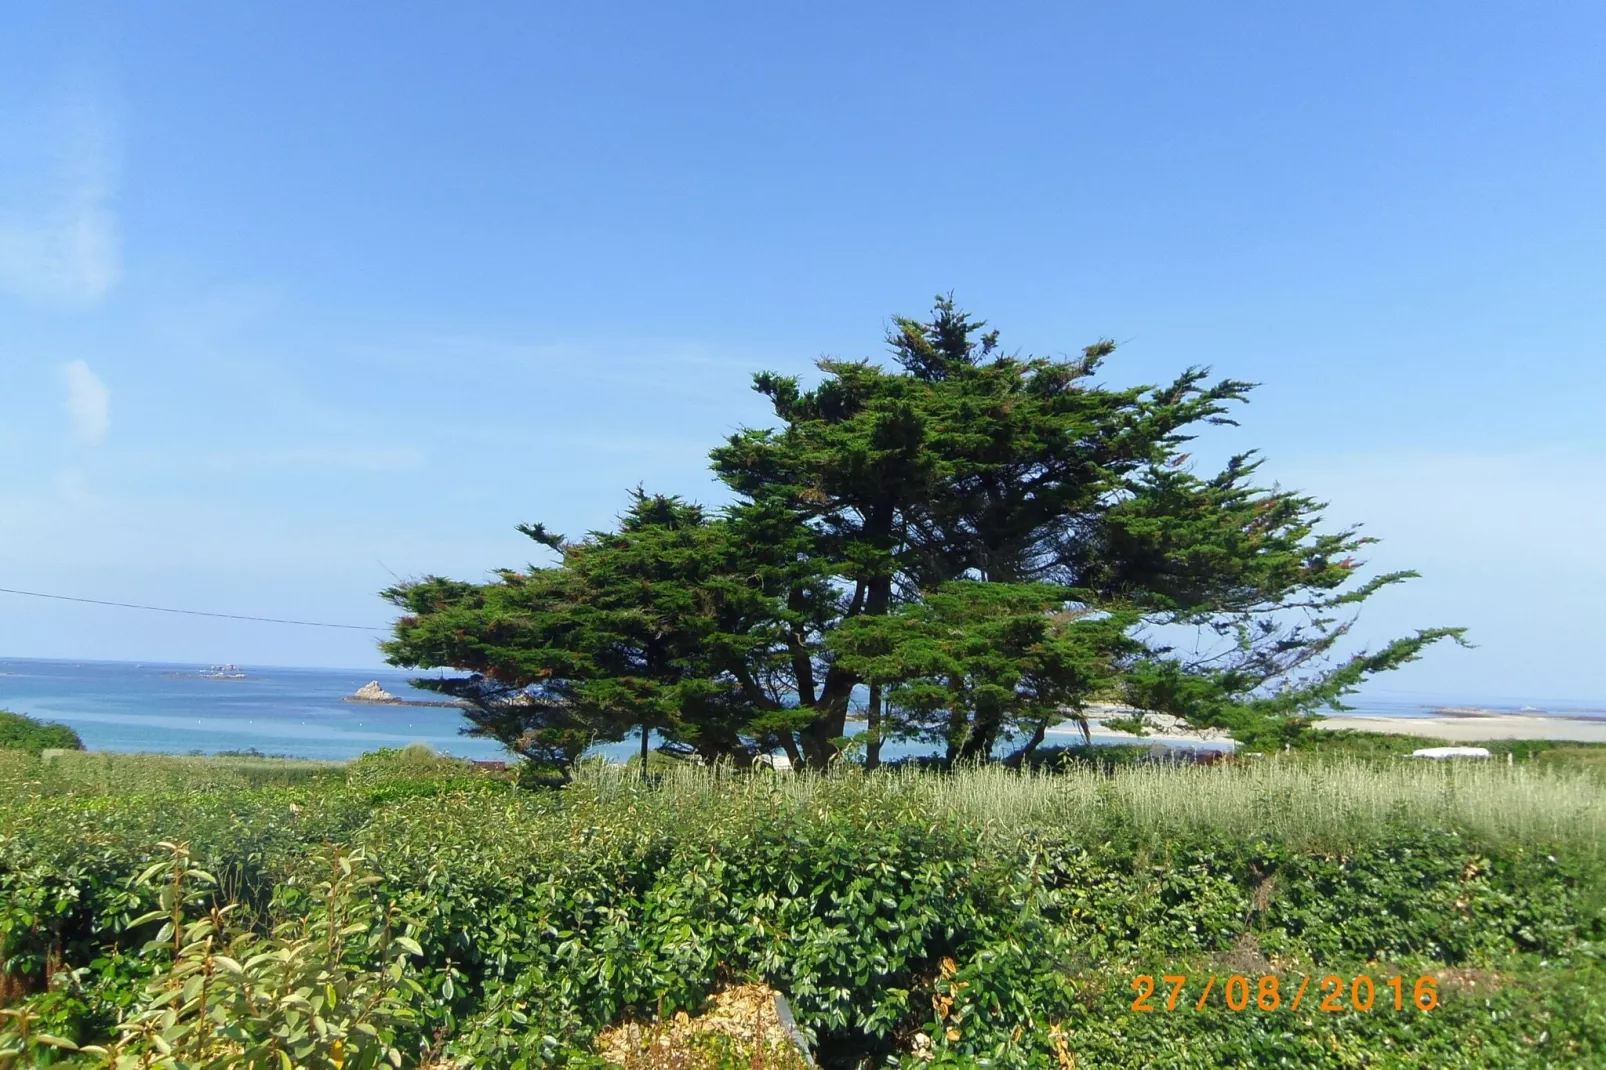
[21,732]
[988,542]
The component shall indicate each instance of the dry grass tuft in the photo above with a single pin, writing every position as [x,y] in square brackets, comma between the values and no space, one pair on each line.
[741,1028]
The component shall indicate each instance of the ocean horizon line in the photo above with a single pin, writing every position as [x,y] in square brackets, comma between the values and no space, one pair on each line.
[1427,700]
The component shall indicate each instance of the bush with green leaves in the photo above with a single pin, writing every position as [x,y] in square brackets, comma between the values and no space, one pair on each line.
[911,917]
[21,732]
[330,987]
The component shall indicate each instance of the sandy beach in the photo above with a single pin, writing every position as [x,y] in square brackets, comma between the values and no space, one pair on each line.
[1468,726]
[1162,730]
[1454,725]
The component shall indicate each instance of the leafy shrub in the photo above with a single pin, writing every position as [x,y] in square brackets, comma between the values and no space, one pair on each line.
[915,917]
[329,988]
[21,732]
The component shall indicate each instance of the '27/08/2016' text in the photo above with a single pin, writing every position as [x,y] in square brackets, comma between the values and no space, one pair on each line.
[1334,994]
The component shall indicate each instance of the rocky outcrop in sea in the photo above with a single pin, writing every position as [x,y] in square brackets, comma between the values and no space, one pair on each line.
[374,695]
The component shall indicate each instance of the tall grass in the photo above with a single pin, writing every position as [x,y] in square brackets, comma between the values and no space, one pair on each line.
[1302,804]
[102,773]
[1320,804]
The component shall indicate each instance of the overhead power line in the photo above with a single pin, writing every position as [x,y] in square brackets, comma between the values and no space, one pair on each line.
[192,612]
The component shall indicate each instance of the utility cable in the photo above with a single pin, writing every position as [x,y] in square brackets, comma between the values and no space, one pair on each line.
[193,612]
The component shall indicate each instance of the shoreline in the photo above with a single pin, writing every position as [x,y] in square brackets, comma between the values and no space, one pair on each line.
[1164,730]
[1470,727]
[1450,724]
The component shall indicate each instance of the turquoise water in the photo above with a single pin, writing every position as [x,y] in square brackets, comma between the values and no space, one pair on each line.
[123,706]
[172,709]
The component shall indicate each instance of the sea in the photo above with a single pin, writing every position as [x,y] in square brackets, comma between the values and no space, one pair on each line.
[180,709]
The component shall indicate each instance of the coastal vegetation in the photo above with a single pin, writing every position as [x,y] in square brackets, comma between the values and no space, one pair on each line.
[961,552]
[411,910]
[21,732]
[964,549]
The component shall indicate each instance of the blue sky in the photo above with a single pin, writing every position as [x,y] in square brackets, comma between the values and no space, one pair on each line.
[299,297]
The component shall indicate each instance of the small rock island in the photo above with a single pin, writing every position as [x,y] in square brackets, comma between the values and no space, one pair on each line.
[374,695]
[372,692]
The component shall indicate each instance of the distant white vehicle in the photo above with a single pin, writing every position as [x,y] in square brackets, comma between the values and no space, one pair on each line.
[1451,752]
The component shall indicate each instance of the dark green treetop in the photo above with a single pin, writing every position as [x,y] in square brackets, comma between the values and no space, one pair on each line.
[989,541]
[633,629]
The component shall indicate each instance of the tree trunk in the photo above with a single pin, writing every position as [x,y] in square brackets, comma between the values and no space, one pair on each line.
[646,740]
[1018,759]
[830,718]
[872,718]
[815,746]
[979,744]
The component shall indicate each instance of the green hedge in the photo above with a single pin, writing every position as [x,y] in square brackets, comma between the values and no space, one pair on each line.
[20,732]
[889,909]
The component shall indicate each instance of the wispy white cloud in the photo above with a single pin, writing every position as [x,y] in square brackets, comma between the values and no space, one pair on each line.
[88,404]
[59,242]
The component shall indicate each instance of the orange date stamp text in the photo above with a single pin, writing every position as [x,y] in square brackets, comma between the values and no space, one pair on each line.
[1236,992]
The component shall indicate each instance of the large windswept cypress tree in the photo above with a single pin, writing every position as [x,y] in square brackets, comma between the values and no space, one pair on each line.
[985,542]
